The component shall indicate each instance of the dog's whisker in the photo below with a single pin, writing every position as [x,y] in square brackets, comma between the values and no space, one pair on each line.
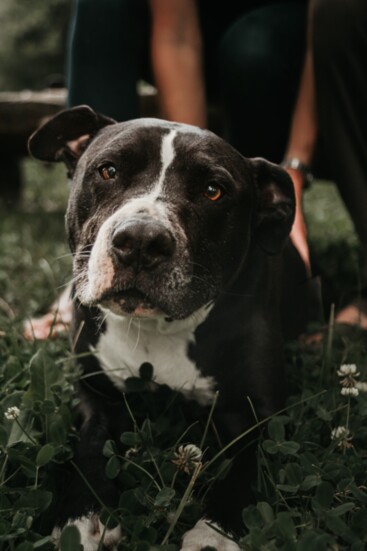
[138,336]
[102,321]
[66,255]
[128,328]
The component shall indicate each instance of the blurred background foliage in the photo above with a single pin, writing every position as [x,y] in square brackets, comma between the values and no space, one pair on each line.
[32,43]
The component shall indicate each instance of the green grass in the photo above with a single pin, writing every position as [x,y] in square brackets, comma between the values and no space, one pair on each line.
[311,489]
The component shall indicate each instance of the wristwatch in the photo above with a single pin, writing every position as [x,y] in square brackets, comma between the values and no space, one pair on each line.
[296,164]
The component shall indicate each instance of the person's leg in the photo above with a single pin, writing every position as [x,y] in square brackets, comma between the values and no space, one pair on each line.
[260,59]
[340,46]
[106,55]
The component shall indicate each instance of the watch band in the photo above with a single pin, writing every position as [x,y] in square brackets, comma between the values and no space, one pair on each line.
[296,164]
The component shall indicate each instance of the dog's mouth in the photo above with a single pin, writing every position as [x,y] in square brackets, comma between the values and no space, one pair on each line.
[129,301]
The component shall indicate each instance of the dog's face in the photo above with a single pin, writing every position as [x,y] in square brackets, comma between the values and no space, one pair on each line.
[160,215]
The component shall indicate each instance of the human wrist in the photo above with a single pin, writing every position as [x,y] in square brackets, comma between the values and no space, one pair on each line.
[294,163]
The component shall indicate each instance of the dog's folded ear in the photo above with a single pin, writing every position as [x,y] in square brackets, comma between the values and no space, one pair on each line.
[275,208]
[65,136]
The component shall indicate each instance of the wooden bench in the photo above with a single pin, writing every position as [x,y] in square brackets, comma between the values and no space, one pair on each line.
[22,112]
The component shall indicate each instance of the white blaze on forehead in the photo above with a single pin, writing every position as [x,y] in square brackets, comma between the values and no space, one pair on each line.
[167,155]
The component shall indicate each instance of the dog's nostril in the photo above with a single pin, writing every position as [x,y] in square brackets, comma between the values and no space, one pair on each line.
[160,245]
[143,245]
[122,241]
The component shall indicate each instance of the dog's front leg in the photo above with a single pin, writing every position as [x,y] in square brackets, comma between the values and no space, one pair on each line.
[88,490]
[227,497]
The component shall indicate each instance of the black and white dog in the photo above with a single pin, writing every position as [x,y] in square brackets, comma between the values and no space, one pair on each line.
[177,243]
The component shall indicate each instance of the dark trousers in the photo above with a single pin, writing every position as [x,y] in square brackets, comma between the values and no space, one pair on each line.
[253,59]
[340,59]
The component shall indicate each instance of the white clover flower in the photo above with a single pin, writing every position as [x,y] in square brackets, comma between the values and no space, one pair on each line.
[131,452]
[187,457]
[343,437]
[339,432]
[348,374]
[12,413]
[347,369]
[349,391]
[362,387]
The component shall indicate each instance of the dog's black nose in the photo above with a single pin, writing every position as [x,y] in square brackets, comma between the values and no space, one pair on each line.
[142,244]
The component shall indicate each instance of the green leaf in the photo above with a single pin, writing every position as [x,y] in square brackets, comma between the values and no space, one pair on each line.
[341,509]
[338,527]
[252,517]
[323,414]
[358,523]
[312,541]
[324,495]
[224,469]
[294,473]
[311,481]
[20,519]
[43,374]
[109,448]
[164,497]
[108,519]
[289,448]
[276,430]
[45,455]
[34,499]
[129,502]
[113,467]
[25,546]
[48,407]
[17,433]
[286,526]
[40,543]
[70,539]
[131,439]
[266,512]
[270,447]
[58,431]
[285,448]
[146,432]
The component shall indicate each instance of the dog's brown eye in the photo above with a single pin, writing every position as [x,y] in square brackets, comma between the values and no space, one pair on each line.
[108,172]
[213,192]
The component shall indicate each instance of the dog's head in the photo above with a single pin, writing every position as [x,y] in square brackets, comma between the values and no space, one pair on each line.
[160,215]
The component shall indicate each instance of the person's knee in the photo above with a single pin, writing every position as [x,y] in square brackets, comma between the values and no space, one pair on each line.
[264,47]
[245,52]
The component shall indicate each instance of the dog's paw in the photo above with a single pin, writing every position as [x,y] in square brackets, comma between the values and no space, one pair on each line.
[203,535]
[92,533]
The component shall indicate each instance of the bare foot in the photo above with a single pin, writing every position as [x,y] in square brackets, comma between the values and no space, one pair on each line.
[354,314]
[56,321]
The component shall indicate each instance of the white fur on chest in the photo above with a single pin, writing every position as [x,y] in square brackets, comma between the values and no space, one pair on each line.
[129,342]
